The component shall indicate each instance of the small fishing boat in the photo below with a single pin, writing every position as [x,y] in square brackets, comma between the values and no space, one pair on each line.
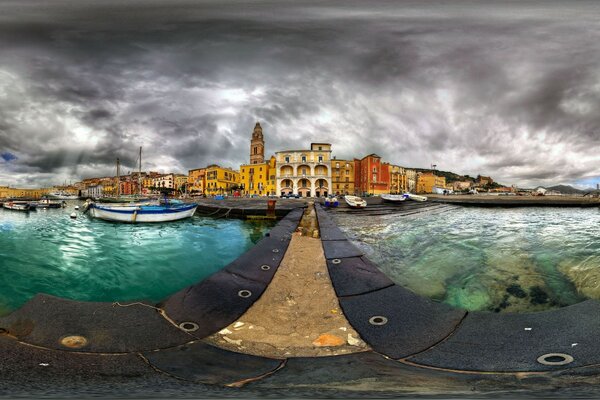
[331,201]
[17,205]
[47,203]
[355,201]
[414,197]
[393,198]
[141,213]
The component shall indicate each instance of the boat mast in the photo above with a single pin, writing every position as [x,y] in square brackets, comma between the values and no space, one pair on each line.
[118,180]
[140,174]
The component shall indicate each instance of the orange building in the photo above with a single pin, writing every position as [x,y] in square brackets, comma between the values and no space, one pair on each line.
[371,175]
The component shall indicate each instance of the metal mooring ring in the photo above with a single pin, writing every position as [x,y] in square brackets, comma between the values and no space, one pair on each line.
[555,359]
[378,320]
[244,293]
[265,267]
[275,250]
[336,261]
[189,326]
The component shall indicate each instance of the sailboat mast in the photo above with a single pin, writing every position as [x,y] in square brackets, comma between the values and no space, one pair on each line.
[118,180]
[140,174]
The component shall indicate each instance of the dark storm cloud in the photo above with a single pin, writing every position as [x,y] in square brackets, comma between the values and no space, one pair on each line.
[508,91]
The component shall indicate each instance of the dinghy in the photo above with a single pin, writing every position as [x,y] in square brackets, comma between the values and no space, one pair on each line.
[393,198]
[355,201]
[17,206]
[414,197]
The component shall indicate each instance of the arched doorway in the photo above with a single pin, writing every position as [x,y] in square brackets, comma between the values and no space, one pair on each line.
[304,187]
[322,189]
[287,187]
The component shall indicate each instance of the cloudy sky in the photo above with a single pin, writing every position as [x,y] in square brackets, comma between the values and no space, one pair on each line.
[510,90]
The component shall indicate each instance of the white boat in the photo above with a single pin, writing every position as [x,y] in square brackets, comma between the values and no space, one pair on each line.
[394,198]
[17,206]
[355,201]
[62,196]
[142,213]
[414,197]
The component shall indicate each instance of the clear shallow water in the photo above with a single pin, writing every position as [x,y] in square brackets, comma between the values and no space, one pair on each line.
[502,260]
[89,259]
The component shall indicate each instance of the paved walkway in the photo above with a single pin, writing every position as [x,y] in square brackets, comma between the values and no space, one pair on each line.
[299,314]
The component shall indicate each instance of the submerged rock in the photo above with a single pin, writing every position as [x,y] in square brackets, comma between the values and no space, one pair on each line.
[538,295]
[517,291]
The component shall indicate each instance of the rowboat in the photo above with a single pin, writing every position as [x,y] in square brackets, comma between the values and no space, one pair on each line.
[393,198]
[17,206]
[355,201]
[142,213]
[414,197]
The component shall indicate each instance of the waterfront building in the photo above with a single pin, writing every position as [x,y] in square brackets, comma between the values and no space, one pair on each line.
[427,181]
[166,181]
[411,180]
[304,172]
[181,182]
[93,191]
[342,176]
[398,179]
[482,181]
[8,192]
[196,180]
[258,179]
[371,175]
[461,185]
[221,180]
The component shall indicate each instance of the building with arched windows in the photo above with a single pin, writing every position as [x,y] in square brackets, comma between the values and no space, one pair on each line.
[304,172]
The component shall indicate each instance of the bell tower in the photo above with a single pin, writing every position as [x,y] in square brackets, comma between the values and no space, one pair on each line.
[257,146]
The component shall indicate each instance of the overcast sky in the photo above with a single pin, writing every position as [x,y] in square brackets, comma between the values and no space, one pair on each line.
[508,90]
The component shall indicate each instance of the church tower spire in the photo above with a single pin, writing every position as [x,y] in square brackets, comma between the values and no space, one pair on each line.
[257,146]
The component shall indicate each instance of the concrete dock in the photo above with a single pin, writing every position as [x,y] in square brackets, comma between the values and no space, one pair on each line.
[303,313]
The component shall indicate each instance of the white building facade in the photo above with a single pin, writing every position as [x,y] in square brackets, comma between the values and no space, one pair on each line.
[304,172]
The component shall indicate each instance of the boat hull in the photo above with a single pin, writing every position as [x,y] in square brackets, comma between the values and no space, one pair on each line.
[133,214]
[355,202]
[17,206]
[415,197]
[393,198]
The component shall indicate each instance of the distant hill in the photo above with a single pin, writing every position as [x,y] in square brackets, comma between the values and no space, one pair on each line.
[566,189]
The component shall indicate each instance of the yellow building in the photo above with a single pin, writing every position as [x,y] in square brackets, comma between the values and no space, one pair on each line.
[180,182]
[258,179]
[8,192]
[342,176]
[398,180]
[426,181]
[196,180]
[221,180]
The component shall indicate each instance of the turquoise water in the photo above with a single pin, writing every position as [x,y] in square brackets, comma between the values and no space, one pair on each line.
[502,260]
[89,259]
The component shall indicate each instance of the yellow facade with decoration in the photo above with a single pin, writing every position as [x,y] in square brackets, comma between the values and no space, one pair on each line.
[7,192]
[258,179]
[220,180]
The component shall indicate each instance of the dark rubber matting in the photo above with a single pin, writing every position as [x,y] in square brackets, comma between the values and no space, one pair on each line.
[513,342]
[356,275]
[202,363]
[108,327]
[340,249]
[413,322]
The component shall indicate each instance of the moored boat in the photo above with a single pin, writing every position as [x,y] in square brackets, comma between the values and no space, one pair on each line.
[17,205]
[414,197]
[331,202]
[393,198]
[142,213]
[355,201]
